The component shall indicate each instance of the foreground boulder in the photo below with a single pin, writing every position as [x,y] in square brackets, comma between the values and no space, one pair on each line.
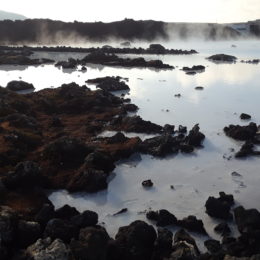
[163,244]
[220,207]
[247,221]
[16,85]
[184,246]
[28,232]
[57,228]
[136,240]
[92,244]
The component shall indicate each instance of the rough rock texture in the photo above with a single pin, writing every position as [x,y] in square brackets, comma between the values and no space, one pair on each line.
[220,207]
[136,240]
[16,85]
[109,83]
[222,58]
[101,57]
[92,244]
[191,223]
[162,217]
[45,249]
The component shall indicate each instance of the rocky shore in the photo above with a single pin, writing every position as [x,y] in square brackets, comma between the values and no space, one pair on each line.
[22,57]
[49,140]
[152,49]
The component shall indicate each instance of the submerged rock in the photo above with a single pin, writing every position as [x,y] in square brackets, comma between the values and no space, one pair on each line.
[120,211]
[58,228]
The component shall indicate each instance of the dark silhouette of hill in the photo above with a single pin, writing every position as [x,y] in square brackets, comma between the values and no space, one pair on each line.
[45,31]
[11,16]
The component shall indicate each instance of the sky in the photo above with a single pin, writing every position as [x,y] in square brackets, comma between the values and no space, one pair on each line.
[220,11]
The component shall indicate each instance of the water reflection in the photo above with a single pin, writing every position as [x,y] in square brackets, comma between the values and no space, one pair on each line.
[229,89]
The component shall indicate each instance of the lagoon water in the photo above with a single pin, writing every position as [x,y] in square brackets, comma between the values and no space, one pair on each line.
[229,90]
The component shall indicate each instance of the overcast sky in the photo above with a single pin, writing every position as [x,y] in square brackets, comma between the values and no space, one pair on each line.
[220,11]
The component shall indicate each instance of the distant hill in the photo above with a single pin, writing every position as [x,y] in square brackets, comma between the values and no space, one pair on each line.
[11,16]
[46,31]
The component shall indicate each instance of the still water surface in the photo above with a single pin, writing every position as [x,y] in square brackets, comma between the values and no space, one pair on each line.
[229,89]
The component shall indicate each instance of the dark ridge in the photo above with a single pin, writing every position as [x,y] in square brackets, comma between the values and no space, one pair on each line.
[46,31]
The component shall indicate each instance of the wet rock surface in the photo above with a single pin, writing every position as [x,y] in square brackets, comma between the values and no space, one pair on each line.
[68,234]
[20,57]
[249,134]
[108,59]
[36,155]
[245,116]
[220,207]
[222,58]
[152,49]
[109,83]
[194,69]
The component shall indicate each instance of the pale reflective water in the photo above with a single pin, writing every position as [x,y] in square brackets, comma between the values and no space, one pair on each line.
[229,89]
